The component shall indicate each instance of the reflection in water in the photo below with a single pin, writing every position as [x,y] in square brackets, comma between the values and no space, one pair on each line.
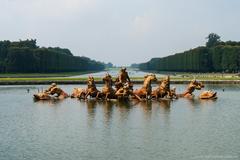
[91,110]
[192,103]
[51,102]
[107,107]
[165,104]
[146,105]
[207,102]
[196,103]
[147,108]
[124,107]
[91,107]
[124,103]
[107,110]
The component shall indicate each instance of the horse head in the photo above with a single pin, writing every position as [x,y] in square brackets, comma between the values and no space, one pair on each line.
[107,79]
[165,83]
[196,85]
[149,78]
[147,82]
[90,81]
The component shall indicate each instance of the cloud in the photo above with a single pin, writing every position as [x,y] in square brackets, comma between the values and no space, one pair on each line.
[110,30]
[142,24]
[50,8]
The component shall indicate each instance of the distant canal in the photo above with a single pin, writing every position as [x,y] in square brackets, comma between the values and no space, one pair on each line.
[114,72]
[82,130]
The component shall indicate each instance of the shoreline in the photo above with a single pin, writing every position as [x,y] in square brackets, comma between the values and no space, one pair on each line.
[46,75]
[69,82]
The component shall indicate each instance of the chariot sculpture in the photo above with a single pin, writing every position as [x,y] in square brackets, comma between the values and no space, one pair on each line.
[123,89]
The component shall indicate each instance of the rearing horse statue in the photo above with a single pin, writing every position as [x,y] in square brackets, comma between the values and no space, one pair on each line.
[163,90]
[107,89]
[146,90]
[91,90]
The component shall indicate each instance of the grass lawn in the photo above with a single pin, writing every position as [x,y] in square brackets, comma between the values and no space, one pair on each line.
[65,76]
[42,75]
[174,78]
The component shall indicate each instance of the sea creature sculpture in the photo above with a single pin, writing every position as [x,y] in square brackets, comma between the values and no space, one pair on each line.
[53,92]
[194,84]
[208,95]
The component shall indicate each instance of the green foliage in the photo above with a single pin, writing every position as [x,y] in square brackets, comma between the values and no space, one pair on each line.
[218,57]
[109,65]
[134,65]
[32,43]
[27,57]
[230,58]
[213,40]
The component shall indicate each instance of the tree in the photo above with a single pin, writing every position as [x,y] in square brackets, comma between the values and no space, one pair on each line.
[26,56]
[213,40]
[109,65]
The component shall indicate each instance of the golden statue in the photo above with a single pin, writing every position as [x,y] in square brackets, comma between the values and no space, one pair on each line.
[92,90]
[146,90]
[122,79]
[50,92]
[163,90]
[208,95]
[194,84]
[107,91]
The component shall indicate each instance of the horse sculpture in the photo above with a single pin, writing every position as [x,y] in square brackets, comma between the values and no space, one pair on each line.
[58,92]
[92,90]
[163,90]
[78,93]
[107,91]
[146,90]
[191,88]
[124,90]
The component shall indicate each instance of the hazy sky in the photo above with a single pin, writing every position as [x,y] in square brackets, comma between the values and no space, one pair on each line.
[120,31]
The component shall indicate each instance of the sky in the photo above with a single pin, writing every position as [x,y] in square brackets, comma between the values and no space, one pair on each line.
[120,31]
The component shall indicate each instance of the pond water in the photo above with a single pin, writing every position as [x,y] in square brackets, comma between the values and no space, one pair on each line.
[72,129]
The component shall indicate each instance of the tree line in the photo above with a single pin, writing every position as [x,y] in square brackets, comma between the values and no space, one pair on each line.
[26,57]
[216,56]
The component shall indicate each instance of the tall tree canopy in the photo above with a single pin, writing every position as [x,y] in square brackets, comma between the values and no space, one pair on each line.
[213,40]
[26,56]
[217,56]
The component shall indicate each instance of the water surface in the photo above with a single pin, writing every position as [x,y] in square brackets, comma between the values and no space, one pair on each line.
[73,129]
[132,72]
